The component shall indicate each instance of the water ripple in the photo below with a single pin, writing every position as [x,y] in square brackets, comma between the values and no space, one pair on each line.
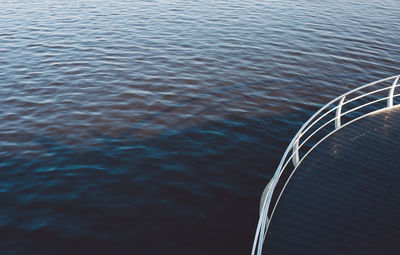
[151,126]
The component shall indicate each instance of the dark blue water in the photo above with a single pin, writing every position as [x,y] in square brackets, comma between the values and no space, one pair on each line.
[151,127]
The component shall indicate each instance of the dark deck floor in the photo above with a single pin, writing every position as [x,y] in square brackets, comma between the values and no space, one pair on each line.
[345,196]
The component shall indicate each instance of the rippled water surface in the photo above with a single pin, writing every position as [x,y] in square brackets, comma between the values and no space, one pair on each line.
[151,127]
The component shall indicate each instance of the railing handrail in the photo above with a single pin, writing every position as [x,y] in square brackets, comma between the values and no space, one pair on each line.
[294,147]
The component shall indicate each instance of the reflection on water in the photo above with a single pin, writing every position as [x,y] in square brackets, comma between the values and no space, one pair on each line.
[151,126]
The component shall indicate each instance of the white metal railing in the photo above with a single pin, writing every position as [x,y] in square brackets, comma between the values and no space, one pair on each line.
[355,101]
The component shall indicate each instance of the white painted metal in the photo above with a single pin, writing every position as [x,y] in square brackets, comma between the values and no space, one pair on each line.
[267,210]
[391,92]
[295,157]
[264,195]
[339,113]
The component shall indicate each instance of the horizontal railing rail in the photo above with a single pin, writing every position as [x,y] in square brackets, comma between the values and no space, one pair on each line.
[297,150]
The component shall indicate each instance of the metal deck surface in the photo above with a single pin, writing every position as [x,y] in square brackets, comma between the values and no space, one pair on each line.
[344,197]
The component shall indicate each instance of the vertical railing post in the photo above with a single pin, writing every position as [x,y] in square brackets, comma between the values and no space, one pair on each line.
[295,156]
[339,113]
[391,92]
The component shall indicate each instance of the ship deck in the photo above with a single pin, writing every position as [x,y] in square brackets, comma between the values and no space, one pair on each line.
[344,198]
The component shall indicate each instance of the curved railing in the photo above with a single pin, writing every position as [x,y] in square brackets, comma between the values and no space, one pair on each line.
[338,113]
